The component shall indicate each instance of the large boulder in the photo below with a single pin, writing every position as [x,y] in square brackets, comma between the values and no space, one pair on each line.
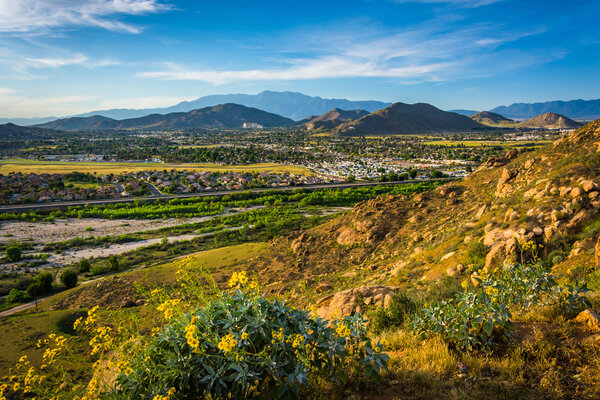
[350,301]
[589,318]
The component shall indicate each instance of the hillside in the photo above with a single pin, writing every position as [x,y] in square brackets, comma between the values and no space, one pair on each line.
[490,118]
[574,109]
[15,132]
[288,104]
[401,118]
[222,116]
[333,118]
[550,121]
[550,196]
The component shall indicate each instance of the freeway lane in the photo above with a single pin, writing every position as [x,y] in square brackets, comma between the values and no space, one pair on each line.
[75,203]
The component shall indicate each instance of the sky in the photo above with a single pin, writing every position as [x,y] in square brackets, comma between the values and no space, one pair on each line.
[64,57]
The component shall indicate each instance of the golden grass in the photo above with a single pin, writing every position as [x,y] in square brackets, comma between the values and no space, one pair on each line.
[482,143]
[63,167]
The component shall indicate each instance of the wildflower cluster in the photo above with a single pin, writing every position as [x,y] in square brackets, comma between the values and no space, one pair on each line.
[238,279]
[227,343]
[481,318]
[248,346]
[168,307]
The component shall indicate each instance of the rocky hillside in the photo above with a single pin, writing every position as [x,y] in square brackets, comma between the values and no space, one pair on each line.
[550,196]
[229,115]
[333,118]
[490,118]
[401,118]
[550,121]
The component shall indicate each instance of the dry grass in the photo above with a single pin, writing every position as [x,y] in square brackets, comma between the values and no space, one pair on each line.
[63,167]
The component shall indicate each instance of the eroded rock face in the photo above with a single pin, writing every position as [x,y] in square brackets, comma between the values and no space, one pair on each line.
[504,188]
[348,302]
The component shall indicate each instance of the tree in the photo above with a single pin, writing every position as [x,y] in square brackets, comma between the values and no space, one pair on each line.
[69,278]
[84,265]
[412,173]
[42,284]
[114,263]
[16,296]
[13,253]
[351,179]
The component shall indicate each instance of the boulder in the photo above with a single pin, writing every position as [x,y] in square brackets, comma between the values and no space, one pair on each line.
[447,256]
[588,186]
[537,231]
[323,287]
[589,318]
[481,211]
[350,301]
[495,256]
[576,192]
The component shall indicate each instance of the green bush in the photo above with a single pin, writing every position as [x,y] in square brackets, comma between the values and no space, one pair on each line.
[400,310]
[477,253]
[113,261]
[41,285]
[69,278]
[13,253]
[84,265]
[242,345]
[16,296]
[481,318]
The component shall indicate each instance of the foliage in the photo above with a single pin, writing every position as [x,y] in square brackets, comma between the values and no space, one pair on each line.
[69,278]
[84,265]
[16,296]
[481,318]
[477,252]
[41,285]
[400,310]
[13,253]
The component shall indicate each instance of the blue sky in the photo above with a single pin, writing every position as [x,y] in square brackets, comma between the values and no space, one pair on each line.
[63,57]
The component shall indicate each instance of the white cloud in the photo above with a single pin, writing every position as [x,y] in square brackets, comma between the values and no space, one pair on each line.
[5,91]
[428,52]
[32,15]
[56,62]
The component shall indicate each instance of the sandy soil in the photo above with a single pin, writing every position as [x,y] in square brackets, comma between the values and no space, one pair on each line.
[65,229]
[73,256]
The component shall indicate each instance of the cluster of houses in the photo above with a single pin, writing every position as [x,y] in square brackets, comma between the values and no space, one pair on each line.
[174,181]
[18,188]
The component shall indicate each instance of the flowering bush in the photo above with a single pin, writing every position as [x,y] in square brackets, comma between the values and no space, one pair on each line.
[205,344]
[481,318]
[244,346]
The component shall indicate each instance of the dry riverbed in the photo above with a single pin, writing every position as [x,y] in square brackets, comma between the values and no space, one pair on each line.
[66,229]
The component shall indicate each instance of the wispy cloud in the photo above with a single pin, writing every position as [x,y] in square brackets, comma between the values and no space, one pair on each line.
[459,3]
[75,59]
[31,15]
[144,102]
[427,52]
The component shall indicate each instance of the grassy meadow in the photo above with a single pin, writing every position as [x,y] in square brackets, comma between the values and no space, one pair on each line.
[64,167]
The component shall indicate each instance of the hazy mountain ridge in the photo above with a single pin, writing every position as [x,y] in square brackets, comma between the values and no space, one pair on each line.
[220,116]
[574,109]
[401,118]
[288,104]
[11,131]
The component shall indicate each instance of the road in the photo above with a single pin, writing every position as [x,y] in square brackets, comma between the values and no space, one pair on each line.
[153,190]
[75,203]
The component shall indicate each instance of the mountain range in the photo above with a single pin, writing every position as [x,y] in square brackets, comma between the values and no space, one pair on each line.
[551,121]
[11,131]
[575,109]
[288,104]
[228,116]
[401,118]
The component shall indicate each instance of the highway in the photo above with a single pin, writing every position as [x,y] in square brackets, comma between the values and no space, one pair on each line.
[76,203]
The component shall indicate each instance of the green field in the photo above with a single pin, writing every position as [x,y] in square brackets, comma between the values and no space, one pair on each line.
[63,167]
[489,143]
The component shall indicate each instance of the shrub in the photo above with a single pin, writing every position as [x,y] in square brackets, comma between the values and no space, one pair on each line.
[41,285]
[69,278]
[241,345]
[113,261]
[16,296]
[84,265]
[477,252]
[480,318]
[13,253]
[401,309]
